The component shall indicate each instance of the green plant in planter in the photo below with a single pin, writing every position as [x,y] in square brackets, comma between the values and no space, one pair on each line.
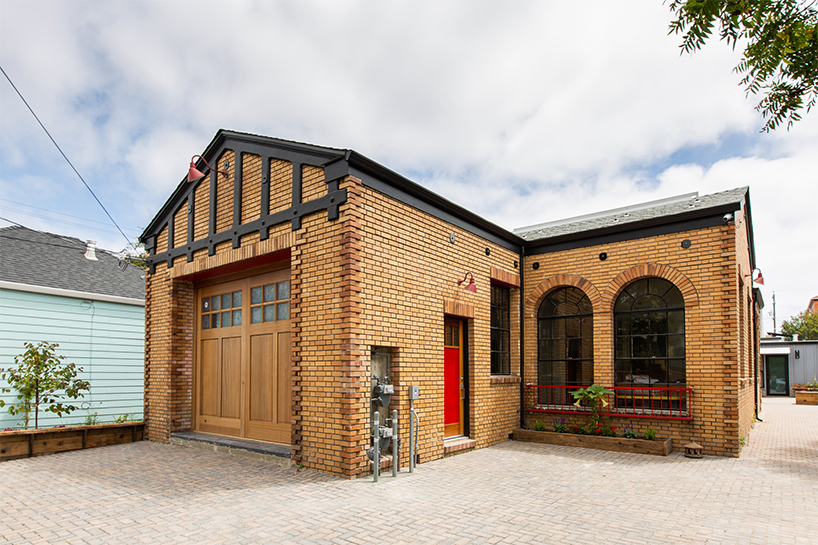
[812,386]
[593,396]
[539,426]
[629,433]
[650,434]
[42,379]
[559,425]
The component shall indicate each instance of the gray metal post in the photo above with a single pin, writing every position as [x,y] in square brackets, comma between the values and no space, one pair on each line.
[411,435]
[395,453]
[376,436]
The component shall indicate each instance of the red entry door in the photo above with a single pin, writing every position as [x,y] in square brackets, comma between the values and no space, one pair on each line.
[453,379]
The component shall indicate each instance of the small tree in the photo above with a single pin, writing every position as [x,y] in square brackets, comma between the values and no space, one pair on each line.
[803,324]
[41,378]
[594,396]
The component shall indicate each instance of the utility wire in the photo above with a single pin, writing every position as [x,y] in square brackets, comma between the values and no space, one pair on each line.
[87,220]
[64,156]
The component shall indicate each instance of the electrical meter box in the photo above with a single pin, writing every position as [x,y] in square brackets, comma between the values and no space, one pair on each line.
[414,392]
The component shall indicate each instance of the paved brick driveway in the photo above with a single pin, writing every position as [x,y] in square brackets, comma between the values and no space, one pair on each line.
[511,493]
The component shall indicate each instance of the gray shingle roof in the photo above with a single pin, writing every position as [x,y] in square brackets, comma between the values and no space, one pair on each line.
[622,217]
[54,261]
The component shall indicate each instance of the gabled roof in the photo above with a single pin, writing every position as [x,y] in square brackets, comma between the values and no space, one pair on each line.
[340,162]
[46,260]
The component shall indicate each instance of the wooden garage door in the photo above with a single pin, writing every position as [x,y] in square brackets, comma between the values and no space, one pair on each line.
[243,358]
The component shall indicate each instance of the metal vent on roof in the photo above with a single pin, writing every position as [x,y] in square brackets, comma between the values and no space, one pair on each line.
[90,250]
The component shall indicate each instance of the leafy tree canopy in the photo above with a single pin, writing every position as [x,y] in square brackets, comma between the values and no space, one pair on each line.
[805,325]
[780,39]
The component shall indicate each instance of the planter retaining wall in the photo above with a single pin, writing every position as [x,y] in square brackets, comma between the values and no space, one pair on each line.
[659,447]
[27,443]
[804,397]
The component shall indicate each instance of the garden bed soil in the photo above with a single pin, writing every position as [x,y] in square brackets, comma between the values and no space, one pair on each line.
[658,447]
[804,397]
[27,443]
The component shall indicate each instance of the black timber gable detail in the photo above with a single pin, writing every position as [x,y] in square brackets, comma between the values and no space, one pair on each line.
[267,148]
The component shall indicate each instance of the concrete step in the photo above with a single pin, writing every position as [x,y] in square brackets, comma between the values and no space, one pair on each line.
[245,448]
[458,445]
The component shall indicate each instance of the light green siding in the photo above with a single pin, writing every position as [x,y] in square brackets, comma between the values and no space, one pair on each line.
[105,339]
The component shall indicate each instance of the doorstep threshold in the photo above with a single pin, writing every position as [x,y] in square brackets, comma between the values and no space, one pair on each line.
[458,444]
[235,446]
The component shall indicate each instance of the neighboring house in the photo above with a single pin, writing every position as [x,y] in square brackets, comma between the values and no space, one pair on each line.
[62,290]
[283,286]
[787,363]
[813,305]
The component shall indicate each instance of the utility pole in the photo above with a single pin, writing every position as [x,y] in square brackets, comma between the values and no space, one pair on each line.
[774,325]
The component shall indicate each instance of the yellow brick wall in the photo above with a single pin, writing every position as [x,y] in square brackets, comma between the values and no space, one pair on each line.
[409,273]
[706,275]
[745,382]
[250,187]
[224,194]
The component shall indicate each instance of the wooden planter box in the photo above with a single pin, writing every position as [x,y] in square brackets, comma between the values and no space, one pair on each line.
[659,447]
[26,443]
[804,397]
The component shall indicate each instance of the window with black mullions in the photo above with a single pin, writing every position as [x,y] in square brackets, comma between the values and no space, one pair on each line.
[500,330]
[565,334]
[650,334]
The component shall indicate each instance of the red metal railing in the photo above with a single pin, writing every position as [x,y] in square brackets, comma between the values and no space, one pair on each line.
[627,401]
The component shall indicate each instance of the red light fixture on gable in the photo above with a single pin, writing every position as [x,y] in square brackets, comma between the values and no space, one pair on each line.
[194,173]
[758,279]
[472,285]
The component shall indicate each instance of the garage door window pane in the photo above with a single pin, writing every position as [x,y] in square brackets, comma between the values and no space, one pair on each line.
[284,311]
[283,290]
[269,293]
[269,313]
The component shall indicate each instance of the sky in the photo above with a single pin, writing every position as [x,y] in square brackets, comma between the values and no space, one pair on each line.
[523,112]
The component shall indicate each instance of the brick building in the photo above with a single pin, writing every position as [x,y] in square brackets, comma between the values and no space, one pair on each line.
[280,281]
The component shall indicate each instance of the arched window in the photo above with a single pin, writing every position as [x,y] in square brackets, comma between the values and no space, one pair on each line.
[650,334]
[566,339]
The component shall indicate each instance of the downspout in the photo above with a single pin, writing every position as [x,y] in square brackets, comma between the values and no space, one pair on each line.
[522,337]
[756,355]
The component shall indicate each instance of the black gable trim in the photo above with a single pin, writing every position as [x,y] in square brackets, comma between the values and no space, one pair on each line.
[388,182]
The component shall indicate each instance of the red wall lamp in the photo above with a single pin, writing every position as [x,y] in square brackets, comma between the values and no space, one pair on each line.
[758,279]
[472,285]
[194,173]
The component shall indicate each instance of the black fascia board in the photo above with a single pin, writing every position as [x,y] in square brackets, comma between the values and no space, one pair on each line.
[662,225]
[249,143]
[749,226]
[386,181]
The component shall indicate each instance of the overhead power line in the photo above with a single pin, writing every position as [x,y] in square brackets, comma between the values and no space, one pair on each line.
[64,156]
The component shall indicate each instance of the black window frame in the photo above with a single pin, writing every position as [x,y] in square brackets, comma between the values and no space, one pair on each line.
[649,342]
[573,353]
[500,326]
